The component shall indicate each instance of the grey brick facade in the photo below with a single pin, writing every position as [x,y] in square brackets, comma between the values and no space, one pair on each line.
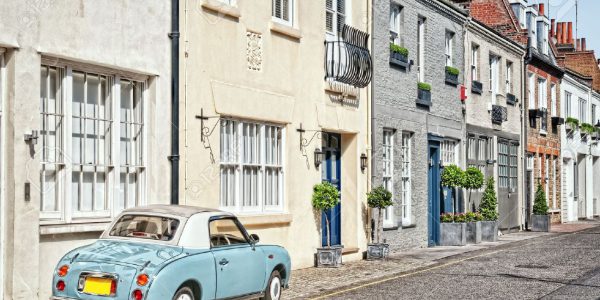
[395,108]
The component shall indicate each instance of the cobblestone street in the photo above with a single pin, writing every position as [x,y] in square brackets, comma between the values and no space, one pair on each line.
[523,264]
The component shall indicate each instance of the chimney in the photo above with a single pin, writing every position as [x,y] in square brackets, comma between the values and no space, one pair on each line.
[552,28]
[565,39]
[583,45]
[570,36]
[559,33]
[578,46]
[541,9]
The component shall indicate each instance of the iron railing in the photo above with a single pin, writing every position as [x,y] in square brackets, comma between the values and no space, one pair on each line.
[347,59]
[499,114]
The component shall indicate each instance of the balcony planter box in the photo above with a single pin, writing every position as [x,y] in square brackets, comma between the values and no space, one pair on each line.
[377,251]
[329,257]
[453,234]
[399,60]
[489,231]
[540,223]
[534,113]
[570,127]
[511,99]
[477,87]
[452,76]
[424,94]
[558,121]
[474,232]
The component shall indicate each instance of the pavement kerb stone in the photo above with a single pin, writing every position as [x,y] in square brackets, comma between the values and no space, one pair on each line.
[333,284]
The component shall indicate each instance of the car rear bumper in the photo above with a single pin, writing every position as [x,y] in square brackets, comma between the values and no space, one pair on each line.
[61,298]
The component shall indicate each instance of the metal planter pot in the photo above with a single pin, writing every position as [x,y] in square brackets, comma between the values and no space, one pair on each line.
[451,79]
[329,257]
[424,98]
[377,251]
[489,231]
[453,234]
[540,223]
[474,232]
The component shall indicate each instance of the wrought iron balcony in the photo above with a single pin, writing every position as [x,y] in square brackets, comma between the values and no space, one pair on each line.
[347,58]
[499,114]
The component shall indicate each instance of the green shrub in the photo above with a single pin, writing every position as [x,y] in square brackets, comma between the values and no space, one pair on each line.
[398,49]
[540,206]
[489,202]
[447,218]
[424,86]
[587,128]
[473,180]
[452,71]
[379,198]
[325,196]
[452,176]
[572,121]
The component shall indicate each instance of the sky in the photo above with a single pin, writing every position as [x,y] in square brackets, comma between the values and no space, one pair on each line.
[589,18]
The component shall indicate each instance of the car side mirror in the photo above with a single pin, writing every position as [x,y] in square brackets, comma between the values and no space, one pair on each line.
[255,238]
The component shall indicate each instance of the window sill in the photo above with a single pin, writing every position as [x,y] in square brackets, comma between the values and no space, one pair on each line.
[48,229]
[285,30]
[261,220]
[222,8]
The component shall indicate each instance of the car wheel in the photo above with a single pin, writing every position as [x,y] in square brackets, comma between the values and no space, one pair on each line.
[184,293]
[274,287]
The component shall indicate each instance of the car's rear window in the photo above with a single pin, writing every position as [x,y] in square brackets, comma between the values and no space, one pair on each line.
[145,227]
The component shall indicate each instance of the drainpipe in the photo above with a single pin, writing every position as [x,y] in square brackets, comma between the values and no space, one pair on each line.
[174,157]
[524,124]
[372,104]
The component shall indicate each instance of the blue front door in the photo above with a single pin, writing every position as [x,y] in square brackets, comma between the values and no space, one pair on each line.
[330,172]
[434,192]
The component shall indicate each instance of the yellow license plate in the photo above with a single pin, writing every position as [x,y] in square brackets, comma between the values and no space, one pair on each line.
[97,286]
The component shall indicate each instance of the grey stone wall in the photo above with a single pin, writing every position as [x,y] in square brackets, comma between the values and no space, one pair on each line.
[395,92]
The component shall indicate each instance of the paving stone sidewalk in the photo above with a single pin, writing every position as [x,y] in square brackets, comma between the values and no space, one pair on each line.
[311,282]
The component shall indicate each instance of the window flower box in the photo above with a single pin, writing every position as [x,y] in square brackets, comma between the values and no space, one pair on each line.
[477,87]
[452,75]
[424,94]
[571,124]
[399,56]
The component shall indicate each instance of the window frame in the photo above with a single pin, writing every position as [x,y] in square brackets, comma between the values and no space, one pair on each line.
[388,174]
[474,62]
[494,80]
[65,212]
[582,110]
[238,225]
[238,166]
[336,14]
[396,20]
[406,177]
[449,152]
[531,91]
[421,32]
[449,48]
[290,12]
[568,104]
[553,100]
[509,77]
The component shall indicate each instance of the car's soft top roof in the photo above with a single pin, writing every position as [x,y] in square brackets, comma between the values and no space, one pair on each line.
[185,211]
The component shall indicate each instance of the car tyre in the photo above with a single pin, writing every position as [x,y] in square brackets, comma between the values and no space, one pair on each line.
[184,293]
[274,287]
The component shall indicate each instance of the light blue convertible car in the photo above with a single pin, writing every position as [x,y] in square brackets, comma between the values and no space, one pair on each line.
[166,252]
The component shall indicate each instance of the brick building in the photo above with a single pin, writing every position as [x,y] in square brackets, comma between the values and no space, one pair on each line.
[542,85]
[412,127]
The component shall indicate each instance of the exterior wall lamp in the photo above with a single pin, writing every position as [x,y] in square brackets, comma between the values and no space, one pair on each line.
[318,157]
[363,162]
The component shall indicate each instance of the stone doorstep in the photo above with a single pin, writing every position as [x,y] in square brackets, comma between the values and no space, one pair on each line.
[311,282]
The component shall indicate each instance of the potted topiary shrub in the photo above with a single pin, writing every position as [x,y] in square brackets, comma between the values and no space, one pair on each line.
[571,124]
[540,220]
[453,229]
[473,220]
[378,198]
[398,55]
[473,180]
[487,208]
[452,177]
[424,94]
[452,75]
[325,197]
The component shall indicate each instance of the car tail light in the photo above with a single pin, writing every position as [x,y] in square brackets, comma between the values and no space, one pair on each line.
[113,287]
[137,295]
[142,279]
[60,285]
[62,271]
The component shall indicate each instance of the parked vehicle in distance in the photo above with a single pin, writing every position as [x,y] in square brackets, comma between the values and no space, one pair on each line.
[163,252]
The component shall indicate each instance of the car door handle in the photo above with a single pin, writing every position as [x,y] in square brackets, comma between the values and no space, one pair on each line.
[223,262]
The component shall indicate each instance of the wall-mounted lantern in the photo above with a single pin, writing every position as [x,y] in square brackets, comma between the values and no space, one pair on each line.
[363,162]
[318,157]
